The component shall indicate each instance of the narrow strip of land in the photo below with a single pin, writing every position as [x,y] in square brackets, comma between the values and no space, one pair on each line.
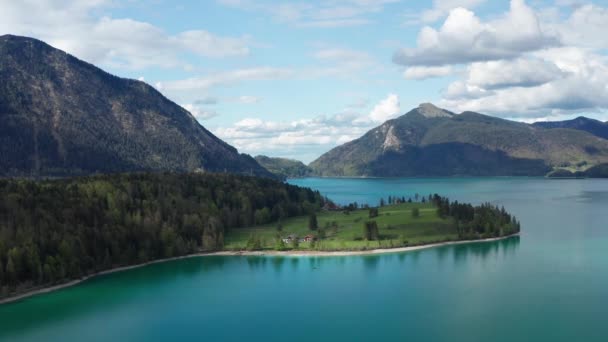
[292,253]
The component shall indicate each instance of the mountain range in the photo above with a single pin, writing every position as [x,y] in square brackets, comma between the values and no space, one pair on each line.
[61,116]
[430,141]
[595,127]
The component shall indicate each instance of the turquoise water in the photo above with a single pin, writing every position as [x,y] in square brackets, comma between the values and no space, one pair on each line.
[550,284]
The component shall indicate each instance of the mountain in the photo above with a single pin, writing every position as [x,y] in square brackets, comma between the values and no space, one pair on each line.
[61,116]
[430,141]
[595,127]
[283,167]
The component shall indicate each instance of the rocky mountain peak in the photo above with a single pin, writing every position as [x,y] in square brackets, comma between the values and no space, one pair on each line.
[429,110]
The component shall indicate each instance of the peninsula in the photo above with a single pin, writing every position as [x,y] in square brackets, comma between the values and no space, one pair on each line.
[59,232]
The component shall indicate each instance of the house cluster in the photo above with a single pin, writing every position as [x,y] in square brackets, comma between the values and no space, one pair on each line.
[293,237]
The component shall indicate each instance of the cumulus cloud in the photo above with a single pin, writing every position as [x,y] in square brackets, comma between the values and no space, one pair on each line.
[386,109]
[299,139]
[439,10]
[465,38]
[303,139]
[116,42]
[573,80]
[522,72]
[422,72]
[525,64]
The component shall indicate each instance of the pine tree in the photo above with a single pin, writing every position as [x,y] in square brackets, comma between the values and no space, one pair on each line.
[11,271]
[415,213]
[312,222]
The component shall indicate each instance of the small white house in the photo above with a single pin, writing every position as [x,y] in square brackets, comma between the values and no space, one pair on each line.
[290,238]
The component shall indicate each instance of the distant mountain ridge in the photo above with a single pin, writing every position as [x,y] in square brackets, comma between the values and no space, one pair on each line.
[595,127]
[61,116]
[430,141]
[283,167]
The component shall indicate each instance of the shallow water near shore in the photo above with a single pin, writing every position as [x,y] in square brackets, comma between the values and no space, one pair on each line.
[549,284]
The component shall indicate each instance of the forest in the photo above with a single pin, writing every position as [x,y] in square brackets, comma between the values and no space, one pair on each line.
[55,230]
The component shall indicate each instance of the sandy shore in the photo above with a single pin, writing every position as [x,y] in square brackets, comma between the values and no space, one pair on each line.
[248,253]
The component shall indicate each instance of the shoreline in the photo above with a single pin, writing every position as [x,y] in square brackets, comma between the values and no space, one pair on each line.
[303,253]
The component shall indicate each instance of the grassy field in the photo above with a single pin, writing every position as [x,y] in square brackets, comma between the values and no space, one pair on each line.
[396,225]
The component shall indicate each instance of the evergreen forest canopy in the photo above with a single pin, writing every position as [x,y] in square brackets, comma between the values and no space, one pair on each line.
[52,231]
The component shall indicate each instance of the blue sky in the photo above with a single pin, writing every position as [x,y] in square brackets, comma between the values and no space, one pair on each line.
[295,78]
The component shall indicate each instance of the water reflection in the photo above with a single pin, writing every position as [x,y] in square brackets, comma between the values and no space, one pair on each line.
[484,250]
[277,263]
[256,262]
[371,261]
[459,253]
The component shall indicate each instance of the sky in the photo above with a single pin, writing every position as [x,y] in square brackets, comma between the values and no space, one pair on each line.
[296,78]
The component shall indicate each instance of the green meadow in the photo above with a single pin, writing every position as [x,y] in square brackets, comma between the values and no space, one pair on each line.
[397,225]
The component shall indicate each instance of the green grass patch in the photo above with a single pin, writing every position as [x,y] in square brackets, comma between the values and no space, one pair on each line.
[340,231]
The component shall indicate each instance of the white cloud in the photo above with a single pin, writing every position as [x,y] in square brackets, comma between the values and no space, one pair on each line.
[422,72]
[228,77]
[464,38]
[573,80]
[299,139]
[440,9]
[586,27]
[386,109]
[331,63]
[342,55]
[302,139]
[122,43]
[326,14]
[199,112]
[522,72]
[525,64]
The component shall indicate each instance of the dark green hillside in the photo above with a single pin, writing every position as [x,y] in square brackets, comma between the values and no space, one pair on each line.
[283,167]
[61,116]
[598,171]
[52,231]
[453,159]
[595,127]
[422,143]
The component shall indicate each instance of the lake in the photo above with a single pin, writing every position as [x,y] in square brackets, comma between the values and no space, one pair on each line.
[549,284]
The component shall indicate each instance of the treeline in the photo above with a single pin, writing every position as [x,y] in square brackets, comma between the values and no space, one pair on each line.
[471,222]
[484,220]
[52,231]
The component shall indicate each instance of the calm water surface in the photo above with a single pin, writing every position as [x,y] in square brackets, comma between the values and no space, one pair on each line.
[550,284]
